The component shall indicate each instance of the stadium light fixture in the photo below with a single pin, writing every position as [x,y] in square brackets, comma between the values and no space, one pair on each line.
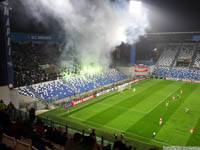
[155,49]
[135,6]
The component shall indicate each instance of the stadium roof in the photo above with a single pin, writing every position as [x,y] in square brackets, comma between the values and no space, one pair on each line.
[164,16]
[171,36]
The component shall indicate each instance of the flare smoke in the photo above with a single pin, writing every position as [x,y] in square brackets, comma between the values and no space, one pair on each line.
[93,28]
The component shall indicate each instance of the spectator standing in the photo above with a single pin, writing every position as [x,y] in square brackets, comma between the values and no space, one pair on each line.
[32,114]
[11,110]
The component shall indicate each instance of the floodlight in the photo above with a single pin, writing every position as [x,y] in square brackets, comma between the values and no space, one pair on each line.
[135,7]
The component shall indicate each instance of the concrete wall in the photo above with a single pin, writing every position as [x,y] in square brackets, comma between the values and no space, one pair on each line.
[5,94]
[12,95]
[129,71]
[9,95]
[151,69]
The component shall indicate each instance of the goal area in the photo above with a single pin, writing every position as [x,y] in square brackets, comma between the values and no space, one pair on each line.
[123,87]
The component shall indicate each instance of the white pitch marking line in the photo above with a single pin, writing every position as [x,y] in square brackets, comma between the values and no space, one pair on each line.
[162,101]
[108,127]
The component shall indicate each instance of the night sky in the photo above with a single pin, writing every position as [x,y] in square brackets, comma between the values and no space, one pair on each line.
[173,15]
[164,16]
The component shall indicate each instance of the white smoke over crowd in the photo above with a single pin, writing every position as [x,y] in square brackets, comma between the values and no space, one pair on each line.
[93,28]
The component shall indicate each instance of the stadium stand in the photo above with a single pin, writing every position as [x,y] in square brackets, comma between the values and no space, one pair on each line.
[177,72]
[168,55]
[27,60]
[197,60]
[198,46]
[185,73]
[161,71]
[59,89]
[187,51]
[164,67]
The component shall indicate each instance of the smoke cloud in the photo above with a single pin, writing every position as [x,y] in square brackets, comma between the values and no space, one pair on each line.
[93,28]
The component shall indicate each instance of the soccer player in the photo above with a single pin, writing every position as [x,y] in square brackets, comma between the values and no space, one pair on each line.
[167,103]
[178,96]
[134,90]
[181,91]
[115,136]
[154,134]
[187,109]
[191,130]
[122,137]
[173,97]
[161,120]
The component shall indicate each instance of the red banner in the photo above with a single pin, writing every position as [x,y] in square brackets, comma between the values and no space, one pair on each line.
[83,100]
[88,98]
[77,102]
[141,69]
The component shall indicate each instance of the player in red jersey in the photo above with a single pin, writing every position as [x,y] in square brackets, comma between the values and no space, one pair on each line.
[191,130]
[167,103]
[161,120]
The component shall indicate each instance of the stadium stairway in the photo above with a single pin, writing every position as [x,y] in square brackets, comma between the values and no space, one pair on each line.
[35,93]
[175,58]
[194,55]
[157,63]
[41,104]
[177,54]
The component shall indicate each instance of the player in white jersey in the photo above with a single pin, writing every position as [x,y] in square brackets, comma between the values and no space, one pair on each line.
[161,121]
[187,109]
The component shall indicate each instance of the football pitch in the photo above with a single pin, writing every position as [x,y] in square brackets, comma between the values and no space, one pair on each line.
[137,114]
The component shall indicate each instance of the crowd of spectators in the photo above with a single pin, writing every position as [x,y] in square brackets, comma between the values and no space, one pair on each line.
[27,60]
[36,134]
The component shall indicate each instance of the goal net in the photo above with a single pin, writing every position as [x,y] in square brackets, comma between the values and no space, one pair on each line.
[121,88]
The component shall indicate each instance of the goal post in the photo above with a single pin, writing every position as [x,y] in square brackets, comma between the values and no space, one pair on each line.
[123,87]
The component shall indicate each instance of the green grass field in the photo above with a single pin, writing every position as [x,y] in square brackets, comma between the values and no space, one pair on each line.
[137,114]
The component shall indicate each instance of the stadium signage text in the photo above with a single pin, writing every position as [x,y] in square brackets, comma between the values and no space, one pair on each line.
[88,98]
[103,92]
[36,37]
[141,68]
[134,81]
[68,105]
[98,94]
[82,100]
[6,25]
